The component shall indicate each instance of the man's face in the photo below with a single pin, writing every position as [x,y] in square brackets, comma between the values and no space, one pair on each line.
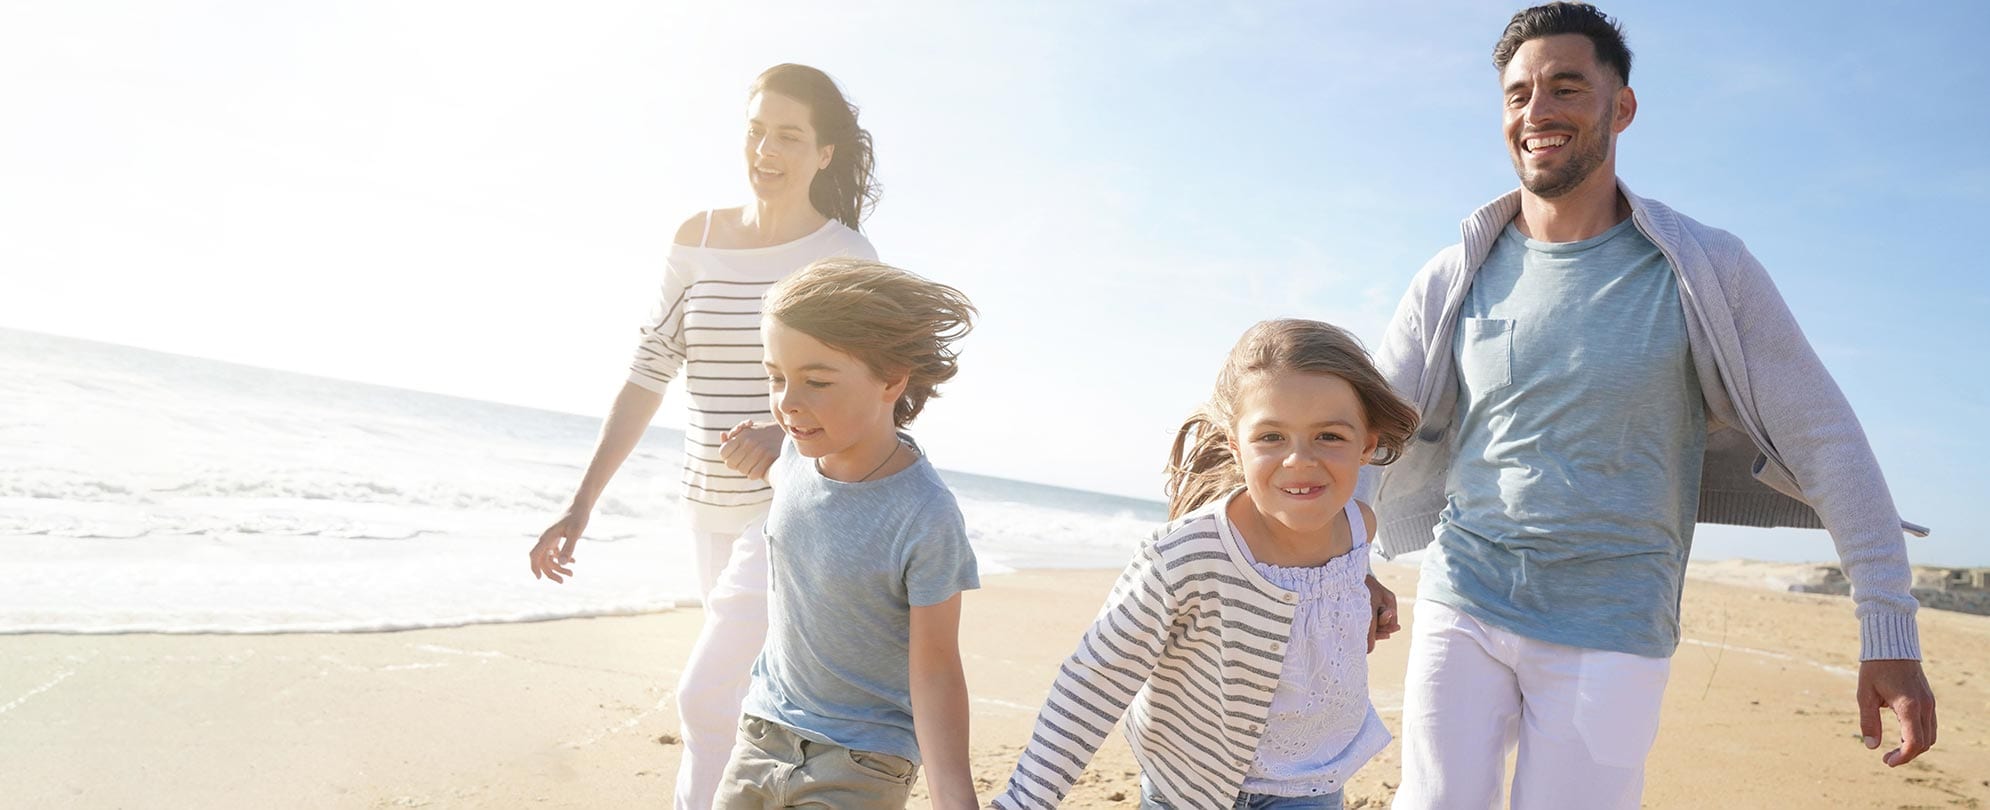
[1563,112]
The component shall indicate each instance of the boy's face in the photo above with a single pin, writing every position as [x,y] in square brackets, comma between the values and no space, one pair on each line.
[827,401]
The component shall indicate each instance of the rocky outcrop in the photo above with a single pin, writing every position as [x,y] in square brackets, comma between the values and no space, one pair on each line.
[1966,590]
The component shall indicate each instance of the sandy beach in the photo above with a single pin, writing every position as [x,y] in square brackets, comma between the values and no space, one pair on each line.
[577,713]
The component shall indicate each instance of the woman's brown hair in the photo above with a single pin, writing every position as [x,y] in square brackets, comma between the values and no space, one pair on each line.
[846,189]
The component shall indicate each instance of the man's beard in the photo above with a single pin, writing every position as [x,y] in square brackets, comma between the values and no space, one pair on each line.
[1549,184]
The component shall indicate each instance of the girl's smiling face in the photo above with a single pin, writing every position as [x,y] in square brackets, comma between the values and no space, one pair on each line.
[831,404]
[1301,440]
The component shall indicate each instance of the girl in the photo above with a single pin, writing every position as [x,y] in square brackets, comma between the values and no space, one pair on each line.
[861,676]
[808,164]
[1235,642]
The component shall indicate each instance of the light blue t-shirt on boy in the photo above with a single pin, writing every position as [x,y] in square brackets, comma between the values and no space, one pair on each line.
[1571,505]
[847,563]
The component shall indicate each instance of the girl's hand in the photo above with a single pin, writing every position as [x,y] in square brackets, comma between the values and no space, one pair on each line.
[1383,623]
[551,554]
[751,448]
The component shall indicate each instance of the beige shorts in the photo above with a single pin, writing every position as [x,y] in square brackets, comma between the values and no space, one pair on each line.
[773,767]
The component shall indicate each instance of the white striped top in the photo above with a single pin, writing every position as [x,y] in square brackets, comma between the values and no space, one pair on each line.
[706,326]
[1189,647]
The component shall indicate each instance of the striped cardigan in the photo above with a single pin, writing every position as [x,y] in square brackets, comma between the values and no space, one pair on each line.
[706,324]
[1189,647]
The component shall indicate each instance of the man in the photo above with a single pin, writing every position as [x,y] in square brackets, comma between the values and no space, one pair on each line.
[1596,373]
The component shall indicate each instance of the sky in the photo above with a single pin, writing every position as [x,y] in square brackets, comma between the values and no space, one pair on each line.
[476,198]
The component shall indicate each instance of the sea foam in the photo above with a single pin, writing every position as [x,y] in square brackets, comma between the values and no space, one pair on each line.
[146,492]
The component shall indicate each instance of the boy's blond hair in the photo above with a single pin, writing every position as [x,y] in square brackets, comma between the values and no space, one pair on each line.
[897,323]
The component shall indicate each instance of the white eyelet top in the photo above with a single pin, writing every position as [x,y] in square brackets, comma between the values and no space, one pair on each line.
[1322,727]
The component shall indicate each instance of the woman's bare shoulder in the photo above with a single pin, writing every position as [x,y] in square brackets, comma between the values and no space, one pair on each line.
[693,232]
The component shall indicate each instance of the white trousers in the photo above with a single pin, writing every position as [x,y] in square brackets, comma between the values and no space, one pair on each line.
[732,568]
[1583,720]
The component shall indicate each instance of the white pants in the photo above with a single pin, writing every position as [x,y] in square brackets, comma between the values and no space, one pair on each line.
[1583,720]
[733,570]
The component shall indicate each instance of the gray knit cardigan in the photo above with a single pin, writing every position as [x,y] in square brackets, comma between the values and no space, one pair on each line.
[1783,446]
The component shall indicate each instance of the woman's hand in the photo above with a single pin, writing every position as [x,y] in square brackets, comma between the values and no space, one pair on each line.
[627,419]
[751,448]
[555,548]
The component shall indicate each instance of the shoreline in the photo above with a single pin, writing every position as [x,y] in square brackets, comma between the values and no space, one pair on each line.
[1932,589]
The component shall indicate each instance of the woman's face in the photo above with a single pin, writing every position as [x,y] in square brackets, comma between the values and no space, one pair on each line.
[782,156]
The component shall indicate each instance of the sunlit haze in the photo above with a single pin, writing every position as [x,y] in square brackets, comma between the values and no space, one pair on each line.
[476,198]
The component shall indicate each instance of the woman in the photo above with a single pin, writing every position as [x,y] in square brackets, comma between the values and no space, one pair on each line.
[809,166]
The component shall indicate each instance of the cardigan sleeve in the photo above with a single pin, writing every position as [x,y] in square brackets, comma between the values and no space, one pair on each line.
[1400,358]
[1815,435]
[1094,686]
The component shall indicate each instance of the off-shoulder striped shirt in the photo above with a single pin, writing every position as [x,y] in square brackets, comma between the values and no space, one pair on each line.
[705,330]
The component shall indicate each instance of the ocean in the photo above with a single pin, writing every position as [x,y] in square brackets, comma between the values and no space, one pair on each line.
[151,492]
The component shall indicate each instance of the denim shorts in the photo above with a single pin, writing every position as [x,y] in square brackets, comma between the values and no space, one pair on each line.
[1149,800]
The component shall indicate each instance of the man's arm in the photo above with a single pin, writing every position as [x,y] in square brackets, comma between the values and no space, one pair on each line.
[1813,429]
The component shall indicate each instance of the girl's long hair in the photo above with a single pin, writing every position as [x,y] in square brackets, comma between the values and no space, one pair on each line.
[846,190]
[1202,466]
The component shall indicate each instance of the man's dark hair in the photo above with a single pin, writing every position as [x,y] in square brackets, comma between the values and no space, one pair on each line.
[1566,18]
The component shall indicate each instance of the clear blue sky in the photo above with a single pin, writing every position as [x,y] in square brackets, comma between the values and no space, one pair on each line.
[474,198]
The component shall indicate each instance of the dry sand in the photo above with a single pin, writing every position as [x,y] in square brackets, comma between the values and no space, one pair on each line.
[578,713]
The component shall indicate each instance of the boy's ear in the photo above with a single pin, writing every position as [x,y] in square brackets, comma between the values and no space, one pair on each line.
[896,388]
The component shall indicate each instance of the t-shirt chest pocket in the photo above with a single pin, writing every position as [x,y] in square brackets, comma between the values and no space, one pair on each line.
[1485,354]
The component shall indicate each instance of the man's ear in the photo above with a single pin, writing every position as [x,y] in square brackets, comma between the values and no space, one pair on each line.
[1627,109]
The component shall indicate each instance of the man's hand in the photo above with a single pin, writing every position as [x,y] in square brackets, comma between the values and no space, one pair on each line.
[1382,621]
[750,448]
[1901,685]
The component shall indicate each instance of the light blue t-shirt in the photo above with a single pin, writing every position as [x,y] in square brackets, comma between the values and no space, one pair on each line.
[847,563]
[1571,504]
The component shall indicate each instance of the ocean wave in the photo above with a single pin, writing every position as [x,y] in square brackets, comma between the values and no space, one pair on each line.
[58,486]
[277,624]
[142,492]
